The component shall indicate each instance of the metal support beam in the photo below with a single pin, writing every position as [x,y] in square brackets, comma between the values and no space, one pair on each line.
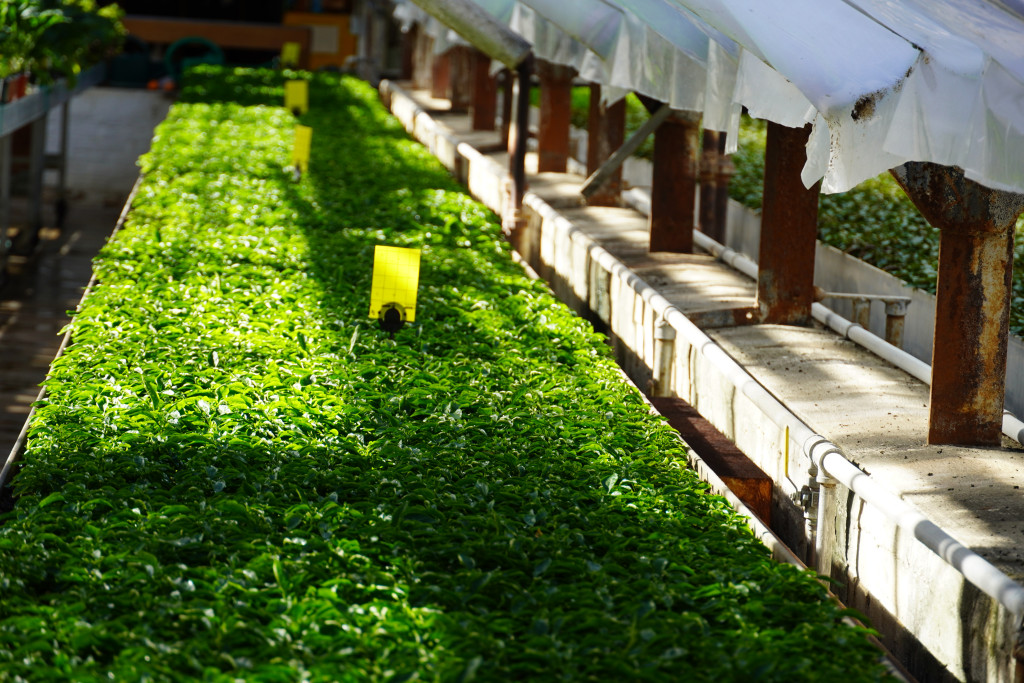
[423,59]
[408,54]
[605,134]
[484,110]
[480,28]
[461,78]
[723,177]
[789,228]
[28,238]
[5,201]
[507,92]
[674,183]
[612,166]
[708,191]
[62,165]
[441,76]
[519,132]
[555,116]
[972,306]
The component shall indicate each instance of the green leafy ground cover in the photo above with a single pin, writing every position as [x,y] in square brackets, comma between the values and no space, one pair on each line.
[236,476]
[874,221]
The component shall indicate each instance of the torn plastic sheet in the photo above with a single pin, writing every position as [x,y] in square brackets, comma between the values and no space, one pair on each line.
[880,82]
[673,72]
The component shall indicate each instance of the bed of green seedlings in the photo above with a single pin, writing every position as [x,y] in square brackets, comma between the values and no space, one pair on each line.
[237,476]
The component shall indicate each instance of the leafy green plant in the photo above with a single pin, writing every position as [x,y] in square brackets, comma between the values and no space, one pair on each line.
[236,475]
[56,37]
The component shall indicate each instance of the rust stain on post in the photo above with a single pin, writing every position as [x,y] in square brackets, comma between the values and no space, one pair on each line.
[789,228]
[673,191]
[708,191]
[507,82]
[723,177]
[485,93]
[972,300]
[440,76]
[606,133]
[461,77]
[555,116]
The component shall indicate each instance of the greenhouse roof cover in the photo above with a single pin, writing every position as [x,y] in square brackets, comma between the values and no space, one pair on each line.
[880,81]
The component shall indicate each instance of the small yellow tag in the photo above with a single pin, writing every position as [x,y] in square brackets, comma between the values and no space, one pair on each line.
[296,96]
[303,142]
[396,277]
[290,54]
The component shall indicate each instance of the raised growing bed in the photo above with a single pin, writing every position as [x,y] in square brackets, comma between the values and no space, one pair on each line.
[237,474]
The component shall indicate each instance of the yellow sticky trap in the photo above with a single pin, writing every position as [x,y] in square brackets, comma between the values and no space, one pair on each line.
[396,276]
[296,96]
[300,152]
[290,54]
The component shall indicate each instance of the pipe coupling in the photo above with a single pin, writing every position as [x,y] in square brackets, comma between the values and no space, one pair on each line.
[897,307]
[664,331]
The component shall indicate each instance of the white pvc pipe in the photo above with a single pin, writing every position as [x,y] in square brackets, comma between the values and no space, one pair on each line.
[881,348]
[824,454]
[975,568]
[915,367]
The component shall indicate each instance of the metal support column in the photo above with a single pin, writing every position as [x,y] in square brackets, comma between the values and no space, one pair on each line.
[708,193]
[440,76]
[407,61]
[518,134]
[555,115]
[606,133]
[5,202]
[973,297]
[484,110]
[723,177]
[62,165]
[789,227]
[507,95]
[423,63]
[674,184]
[36,166]
[461,78]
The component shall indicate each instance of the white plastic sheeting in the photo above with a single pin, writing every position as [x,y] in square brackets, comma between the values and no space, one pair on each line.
[881,82]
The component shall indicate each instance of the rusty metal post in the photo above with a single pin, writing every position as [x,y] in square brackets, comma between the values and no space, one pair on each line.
[484,110]
[895,322]
[723,176]
[408,53]
[862,312]
[518,135]
[440,76]
[507,90]
[606,133]
[460,78]
[708,166]
[555,116]
[423,60]
[972,307]
[789,228]
[674,184]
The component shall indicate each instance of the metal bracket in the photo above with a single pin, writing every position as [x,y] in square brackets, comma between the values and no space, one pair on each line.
[592,184]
